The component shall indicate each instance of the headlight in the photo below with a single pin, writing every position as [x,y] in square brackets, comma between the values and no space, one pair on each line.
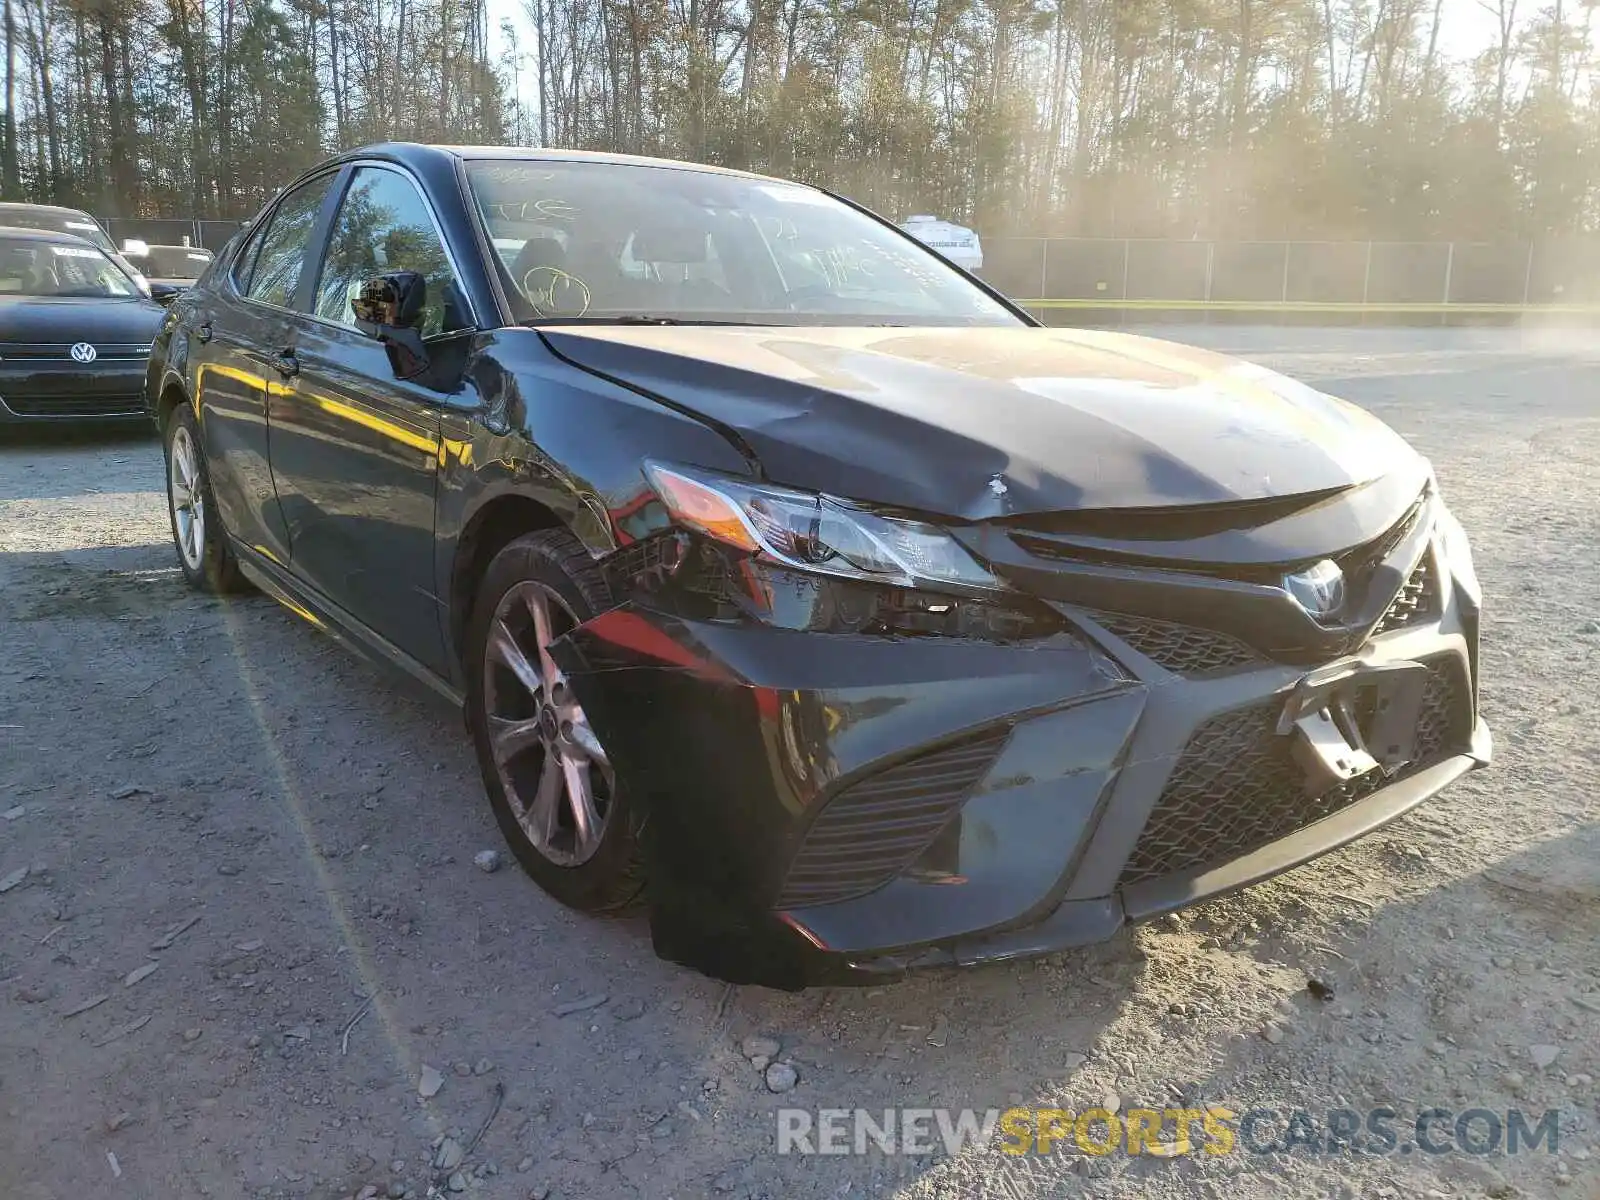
[1457,553]
[817,533]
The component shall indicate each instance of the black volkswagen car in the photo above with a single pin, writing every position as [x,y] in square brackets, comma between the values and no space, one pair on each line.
[794,582]
[75,331]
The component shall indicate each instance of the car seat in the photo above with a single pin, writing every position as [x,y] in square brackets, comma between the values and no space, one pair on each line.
[42,279]
[536,270]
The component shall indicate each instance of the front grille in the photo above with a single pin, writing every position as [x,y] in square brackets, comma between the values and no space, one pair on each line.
[1417,600]
[1184,649]
[874,829]
[58,405]
[62,351]
[1237,787]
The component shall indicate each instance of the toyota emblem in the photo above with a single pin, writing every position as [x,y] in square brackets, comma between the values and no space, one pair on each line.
[83,352]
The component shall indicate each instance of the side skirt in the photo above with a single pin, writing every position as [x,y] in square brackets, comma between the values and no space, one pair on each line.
[304,601]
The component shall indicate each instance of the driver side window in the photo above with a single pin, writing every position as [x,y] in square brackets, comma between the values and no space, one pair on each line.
[384,226]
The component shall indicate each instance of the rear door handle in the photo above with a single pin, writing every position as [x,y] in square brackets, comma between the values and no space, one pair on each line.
[286,363]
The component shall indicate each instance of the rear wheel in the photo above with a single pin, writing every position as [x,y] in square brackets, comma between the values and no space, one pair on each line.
[550,781]
[203,554]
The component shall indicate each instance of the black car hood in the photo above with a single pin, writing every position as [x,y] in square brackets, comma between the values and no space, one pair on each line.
[98,319]
[984,423]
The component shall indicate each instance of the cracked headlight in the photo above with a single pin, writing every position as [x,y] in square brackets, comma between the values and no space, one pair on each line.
[811,532]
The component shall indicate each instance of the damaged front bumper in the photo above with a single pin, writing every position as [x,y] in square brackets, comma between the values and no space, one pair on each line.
[838,807]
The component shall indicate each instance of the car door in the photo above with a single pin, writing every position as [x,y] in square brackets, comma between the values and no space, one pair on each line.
[236,328]
[355,450]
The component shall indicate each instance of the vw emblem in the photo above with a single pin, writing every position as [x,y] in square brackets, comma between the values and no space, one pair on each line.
[83,352]
[1318,589]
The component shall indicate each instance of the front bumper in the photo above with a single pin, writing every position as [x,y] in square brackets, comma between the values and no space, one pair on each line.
[834,808]
[36,392]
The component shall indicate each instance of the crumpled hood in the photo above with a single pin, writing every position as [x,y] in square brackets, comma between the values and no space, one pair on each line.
[981,423]
[98,319]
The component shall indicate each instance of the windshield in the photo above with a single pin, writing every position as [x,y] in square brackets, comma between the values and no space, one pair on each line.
[38,267]
[171,262]
[607,241]
[78,224]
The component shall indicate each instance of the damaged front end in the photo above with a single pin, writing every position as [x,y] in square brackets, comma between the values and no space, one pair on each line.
[867,743]
[807,739]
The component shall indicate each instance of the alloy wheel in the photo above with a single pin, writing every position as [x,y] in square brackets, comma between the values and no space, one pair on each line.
[557,777]
[188,500]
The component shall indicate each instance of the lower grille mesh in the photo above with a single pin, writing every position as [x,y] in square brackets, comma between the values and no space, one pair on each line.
[874,829]
[59,405]
[1185,649]
[1417,599]
[1237,787]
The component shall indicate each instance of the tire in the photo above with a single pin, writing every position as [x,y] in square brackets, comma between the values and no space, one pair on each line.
[204,556]
[539,728]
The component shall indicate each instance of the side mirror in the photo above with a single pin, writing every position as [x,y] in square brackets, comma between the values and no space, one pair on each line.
[388,310]
[164,293]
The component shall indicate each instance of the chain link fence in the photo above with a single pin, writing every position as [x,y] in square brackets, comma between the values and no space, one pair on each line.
[171,231]
[1138,273]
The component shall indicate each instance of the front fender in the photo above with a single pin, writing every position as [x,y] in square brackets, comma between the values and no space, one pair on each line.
[533,428]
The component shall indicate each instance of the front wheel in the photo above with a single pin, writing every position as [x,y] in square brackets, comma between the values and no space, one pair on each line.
[549,779]
[203,553]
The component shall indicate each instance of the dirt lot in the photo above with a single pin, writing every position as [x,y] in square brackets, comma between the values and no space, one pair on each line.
[234,841]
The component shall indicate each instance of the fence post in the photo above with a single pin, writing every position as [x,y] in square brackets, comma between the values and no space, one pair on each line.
[1449,271]
[1366,284]
[1044,271]
[1211,266]
[1122,313]
[1285,297]
[1527,277]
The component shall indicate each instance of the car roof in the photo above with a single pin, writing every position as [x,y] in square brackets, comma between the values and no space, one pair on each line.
[413,153]
[15,206]
[29,233]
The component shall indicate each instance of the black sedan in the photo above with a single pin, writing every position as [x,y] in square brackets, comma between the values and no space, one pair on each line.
[75,331]
[794,582]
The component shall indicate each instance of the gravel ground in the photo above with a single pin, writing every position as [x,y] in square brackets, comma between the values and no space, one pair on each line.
[249,925]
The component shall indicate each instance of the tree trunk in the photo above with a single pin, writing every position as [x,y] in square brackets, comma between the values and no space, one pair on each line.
[336,76]
[226,194]
[39,42]
[10,176]
[115,189]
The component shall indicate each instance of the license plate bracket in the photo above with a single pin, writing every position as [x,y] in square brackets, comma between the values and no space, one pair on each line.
[1352,718]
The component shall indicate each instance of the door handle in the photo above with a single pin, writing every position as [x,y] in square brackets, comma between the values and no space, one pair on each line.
[203,332]
[286,363]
